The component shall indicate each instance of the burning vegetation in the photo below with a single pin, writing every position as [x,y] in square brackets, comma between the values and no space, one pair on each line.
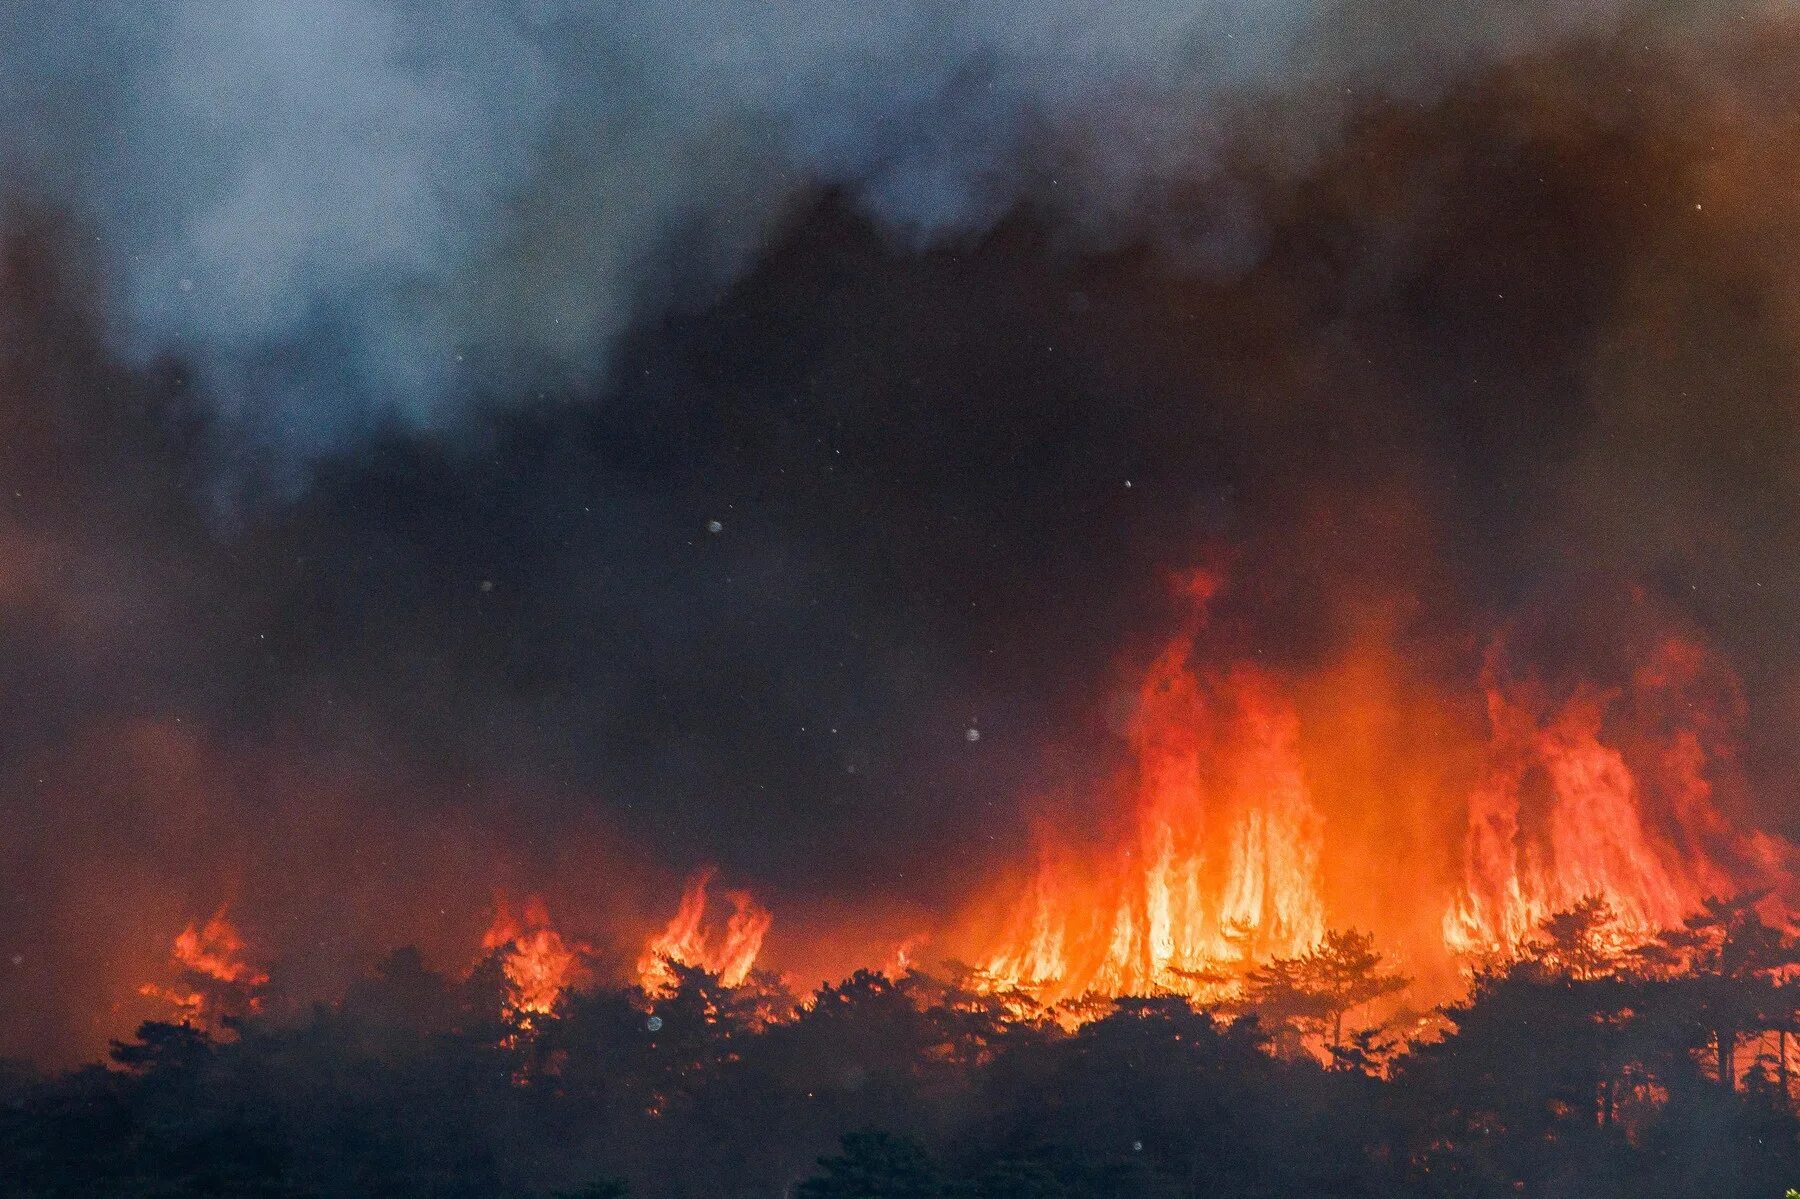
[1222,867]
[1591,848]
[1601,801]
[212,980]
[1584,1051]
[539,964]
[691,940]
[1435,846]
[1563,816]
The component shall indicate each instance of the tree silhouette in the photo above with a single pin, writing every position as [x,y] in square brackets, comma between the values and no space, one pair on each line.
[1570,1072]
[1315,991]
[875,1165]
[1583,942]
[1727,977]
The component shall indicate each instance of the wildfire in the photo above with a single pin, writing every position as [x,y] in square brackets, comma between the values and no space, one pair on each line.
[539,963]
[1588,798]
[1223,866]
[1562,815]
[1601,796]
[213,979]
[689,940]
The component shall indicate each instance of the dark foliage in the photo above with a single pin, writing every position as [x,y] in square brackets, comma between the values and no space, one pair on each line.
[1581,1070]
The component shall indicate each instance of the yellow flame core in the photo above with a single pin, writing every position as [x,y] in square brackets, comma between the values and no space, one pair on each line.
[690,940]
[539,963]
[1224,867]
[1561,816]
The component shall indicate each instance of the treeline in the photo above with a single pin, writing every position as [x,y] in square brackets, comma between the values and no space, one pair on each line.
[1585,1067]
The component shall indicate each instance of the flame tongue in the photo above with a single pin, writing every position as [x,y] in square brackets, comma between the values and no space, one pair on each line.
[1224,867]
[213,980]
[1647,842]
[216,951]
[539,963]
[688,939]
[1601,801]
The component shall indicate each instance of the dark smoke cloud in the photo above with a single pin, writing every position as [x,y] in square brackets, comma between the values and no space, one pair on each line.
[347,211]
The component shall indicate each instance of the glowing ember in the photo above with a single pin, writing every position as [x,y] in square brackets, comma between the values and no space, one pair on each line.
[688,940]
[1224,865]
[213,979]
[539,963]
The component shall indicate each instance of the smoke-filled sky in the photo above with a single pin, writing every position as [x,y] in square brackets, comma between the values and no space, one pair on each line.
[553,446]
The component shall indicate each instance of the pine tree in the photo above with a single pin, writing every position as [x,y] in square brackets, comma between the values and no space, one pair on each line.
[1316,990]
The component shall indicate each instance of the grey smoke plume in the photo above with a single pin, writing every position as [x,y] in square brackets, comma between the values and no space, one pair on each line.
[345,211]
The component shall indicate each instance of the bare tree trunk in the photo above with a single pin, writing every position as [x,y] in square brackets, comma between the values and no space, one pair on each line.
[1781,1067]
[1726,1040]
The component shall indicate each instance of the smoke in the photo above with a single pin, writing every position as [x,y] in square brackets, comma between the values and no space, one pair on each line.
[915,349]
[351,212]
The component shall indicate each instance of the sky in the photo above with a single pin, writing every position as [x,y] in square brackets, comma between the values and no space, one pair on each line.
[554,447]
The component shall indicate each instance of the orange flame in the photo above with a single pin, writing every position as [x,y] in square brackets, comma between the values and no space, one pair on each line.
[539,963]
[213,976]
[1223,858]
[688,940]
[1224,866]
[1562,815]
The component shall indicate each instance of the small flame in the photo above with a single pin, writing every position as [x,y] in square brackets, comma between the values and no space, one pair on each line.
[212,976]
[538,961]
[689,941]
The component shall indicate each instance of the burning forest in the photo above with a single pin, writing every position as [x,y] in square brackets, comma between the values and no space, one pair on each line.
[692,600]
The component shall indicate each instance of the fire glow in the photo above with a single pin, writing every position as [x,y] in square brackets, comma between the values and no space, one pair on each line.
[1603,797]
[691,940]
[1653,848]
[539,963]
[1224,865]
[1222,859]
[213,979]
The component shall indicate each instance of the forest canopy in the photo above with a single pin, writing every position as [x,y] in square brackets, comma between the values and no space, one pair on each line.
[1580,1068]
